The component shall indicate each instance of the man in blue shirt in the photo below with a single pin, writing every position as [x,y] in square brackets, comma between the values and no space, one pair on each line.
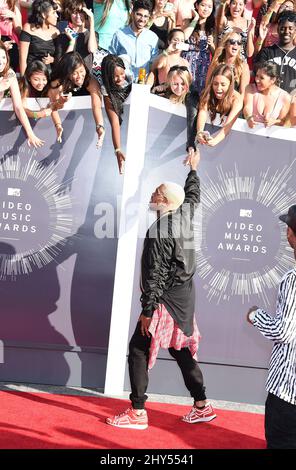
[135,40]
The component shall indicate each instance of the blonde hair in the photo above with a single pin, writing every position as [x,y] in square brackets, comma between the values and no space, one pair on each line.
[182,72]
[174,193]
[220,57]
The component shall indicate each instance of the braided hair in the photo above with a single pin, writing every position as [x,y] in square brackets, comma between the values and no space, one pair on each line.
[116,93]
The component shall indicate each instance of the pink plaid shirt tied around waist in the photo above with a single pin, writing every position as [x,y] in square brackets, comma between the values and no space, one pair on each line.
[166,334]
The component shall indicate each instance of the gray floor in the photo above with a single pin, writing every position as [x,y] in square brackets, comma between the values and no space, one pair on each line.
[227,405]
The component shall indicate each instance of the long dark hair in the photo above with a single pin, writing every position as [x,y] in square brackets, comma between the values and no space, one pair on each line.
[40,8]
[64,69]
[227,10]
[116,94]
[7,66]
[210,21]
[270,69]
[107,8]
[73,6]
[33,67]
[208,97]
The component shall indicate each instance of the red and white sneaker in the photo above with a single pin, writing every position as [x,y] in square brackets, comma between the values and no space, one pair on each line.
[129,419]
[197,415]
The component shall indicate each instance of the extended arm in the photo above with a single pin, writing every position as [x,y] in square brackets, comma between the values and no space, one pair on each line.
[115,128]
[21,114]
[282,327]
[96,104]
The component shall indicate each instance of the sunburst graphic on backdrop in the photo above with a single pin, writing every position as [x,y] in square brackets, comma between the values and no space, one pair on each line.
[242,272]
[19,177]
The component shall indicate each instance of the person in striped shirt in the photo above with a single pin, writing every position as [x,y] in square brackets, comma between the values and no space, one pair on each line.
[280,406]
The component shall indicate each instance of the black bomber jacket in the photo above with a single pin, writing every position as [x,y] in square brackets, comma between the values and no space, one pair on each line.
[168,260]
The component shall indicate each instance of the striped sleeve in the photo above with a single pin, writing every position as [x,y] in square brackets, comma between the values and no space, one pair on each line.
[282,327]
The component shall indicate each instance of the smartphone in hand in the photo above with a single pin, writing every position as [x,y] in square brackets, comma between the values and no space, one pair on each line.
[72,33]
[169,7]
[207,136]
[182,46]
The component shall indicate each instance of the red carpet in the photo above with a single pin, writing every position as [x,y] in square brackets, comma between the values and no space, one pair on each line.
[44,421]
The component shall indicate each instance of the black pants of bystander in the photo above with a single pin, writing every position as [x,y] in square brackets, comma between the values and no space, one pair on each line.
[280,423]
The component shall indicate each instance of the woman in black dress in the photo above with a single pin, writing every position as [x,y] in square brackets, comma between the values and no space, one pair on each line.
[37,37]
[79,34]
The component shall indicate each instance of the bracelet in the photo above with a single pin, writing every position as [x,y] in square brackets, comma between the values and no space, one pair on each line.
[100,126]
[259,43]
[46,112]
[117,150]
[58,124]
[35,115]
[249,117]
[193,23]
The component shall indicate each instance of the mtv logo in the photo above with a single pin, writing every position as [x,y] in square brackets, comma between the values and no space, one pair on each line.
[245,213]
[14,192]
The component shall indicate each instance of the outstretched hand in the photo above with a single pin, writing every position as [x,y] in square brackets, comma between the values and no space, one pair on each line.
[252,309]
[101,135]
[59,131]
[193,158]
[34,141]
[120,160]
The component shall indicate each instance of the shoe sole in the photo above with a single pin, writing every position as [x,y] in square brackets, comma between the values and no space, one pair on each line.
[200,420]
[129,426]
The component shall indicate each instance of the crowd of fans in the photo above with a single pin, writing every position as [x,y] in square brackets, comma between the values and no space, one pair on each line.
[222,59]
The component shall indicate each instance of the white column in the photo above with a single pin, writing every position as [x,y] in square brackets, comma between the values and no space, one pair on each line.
[127,242]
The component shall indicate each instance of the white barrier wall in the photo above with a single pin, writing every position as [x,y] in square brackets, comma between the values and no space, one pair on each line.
[81,285]
[246,182]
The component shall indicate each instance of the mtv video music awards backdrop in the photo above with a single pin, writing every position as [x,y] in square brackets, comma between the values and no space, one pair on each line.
[56,270]
[241,247]
[58,246]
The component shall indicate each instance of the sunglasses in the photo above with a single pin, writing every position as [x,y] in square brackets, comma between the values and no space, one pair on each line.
[234,41]
[178,67]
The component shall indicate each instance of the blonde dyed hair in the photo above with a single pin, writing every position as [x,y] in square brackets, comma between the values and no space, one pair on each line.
[182,72]
[174,193]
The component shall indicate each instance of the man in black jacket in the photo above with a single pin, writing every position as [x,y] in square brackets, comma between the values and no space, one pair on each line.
[284,53]
[168,299]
